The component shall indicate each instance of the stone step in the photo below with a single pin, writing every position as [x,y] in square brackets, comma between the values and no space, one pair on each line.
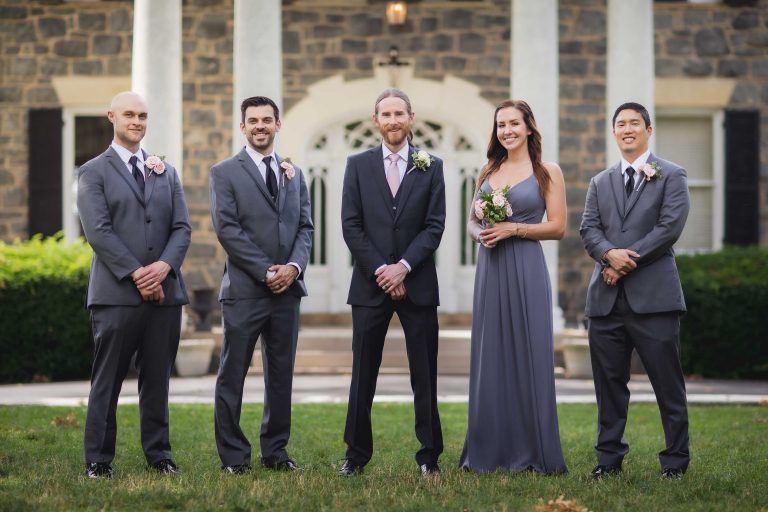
[327,350]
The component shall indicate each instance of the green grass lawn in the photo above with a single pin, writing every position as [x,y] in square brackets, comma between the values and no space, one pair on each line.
[41,465]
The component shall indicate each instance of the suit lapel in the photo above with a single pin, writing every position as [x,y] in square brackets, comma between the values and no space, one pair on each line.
[283,183]
[149,181]
[117,164]
[617,185]
[250,168]
[407,184]
[639,189]
[379,174]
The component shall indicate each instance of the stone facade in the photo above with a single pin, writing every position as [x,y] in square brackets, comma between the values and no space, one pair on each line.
[44,39]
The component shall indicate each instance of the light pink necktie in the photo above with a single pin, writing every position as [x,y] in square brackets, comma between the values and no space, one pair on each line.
[393,173]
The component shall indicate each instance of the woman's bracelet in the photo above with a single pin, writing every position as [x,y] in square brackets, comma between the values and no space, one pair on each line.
[525,234]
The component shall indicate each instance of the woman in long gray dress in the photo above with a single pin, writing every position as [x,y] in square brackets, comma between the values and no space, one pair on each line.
[512,422]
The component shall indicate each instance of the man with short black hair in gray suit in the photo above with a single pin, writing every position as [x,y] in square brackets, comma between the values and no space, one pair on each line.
[134,216]
[261,214]
[634,213]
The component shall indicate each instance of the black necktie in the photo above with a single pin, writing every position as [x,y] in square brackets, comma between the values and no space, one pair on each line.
[271,180]
[137,174]
[630,185]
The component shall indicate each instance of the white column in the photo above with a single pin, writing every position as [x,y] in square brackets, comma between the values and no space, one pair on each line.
[258,57]
[535,79]
[156,74]
[630,69]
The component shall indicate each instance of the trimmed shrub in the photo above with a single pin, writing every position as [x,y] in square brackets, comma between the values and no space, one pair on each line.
[45,331]
[725,332]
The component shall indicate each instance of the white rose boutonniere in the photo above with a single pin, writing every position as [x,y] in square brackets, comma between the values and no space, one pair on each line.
[651,171]
[287,168]
[155,164]
[421,160]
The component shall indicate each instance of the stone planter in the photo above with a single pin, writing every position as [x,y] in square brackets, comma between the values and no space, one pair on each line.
[194,357]
[576,355]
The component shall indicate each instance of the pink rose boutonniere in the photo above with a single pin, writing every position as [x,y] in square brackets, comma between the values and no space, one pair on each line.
[155,164]
[651,171]
[287,168]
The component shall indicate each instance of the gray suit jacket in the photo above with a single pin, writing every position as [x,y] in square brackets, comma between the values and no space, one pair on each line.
[128,231]
[649,222]
[255,231]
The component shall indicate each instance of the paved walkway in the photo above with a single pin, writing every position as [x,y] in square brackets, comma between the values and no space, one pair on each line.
[390,388]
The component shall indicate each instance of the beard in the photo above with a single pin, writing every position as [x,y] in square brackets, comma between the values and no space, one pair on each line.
[264,144]
[396,137]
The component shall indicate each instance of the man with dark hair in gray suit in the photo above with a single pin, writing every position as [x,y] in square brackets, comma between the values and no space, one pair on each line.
[134,216]
[261,214]
[635,212]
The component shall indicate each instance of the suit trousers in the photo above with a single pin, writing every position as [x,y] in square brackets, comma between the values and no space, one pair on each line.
[370,325]
[276,320]
[152,333]
[656,337]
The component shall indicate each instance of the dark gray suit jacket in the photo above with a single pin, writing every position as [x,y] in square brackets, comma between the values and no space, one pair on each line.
[255,231]
[649,222]
[377,234]
[128,231]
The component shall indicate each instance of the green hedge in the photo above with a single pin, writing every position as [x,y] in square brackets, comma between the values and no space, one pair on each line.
[45,331]
[725,332]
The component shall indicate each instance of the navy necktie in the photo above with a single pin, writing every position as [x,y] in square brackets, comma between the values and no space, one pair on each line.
[630,185]
[137,174]
[271,180]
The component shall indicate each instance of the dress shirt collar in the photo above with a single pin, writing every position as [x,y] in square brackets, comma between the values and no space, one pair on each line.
[125,155]
[636,164]
[403,153]
[258,157]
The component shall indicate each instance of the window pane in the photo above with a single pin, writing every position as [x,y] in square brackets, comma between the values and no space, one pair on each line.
[687,141]
[697,234]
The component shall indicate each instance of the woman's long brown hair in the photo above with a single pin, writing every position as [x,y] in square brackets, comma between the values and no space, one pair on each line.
[497,154]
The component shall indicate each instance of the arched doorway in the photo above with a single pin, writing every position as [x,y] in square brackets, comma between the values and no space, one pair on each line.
[334,121]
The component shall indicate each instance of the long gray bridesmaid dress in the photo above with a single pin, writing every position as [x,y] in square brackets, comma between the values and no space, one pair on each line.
[512,413]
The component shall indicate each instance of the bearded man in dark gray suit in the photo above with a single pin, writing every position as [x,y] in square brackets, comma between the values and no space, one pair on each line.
[635,212]
[134,216]
[392,218]
[261,214]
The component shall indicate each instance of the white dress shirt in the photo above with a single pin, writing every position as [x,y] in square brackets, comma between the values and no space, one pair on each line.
[636,166]
[126,155]
[258,159]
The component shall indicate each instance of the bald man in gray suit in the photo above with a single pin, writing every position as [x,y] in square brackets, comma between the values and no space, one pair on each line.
[134,216]
[634,213]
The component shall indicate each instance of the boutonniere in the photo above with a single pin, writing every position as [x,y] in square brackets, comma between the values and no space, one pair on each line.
[155,164]
[651,171]
[421,160]
[287,166]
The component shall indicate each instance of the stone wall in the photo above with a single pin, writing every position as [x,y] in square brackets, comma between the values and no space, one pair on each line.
[39,41]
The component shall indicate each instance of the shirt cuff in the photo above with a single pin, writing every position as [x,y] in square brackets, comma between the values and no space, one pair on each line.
[405,263]
[296,265]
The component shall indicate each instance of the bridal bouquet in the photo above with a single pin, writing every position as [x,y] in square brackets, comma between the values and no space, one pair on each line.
[493,206]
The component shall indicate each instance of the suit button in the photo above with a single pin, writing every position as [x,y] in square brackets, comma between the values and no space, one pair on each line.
[623,230]
[397,229]
[394,207]
[150,248]
[149,220]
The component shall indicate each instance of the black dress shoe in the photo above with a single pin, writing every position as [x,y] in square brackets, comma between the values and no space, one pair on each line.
[283,465]
[349,468]
[237,469]
[672,474]
[601,471]
[430,470]
[165,467]
[98,470]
